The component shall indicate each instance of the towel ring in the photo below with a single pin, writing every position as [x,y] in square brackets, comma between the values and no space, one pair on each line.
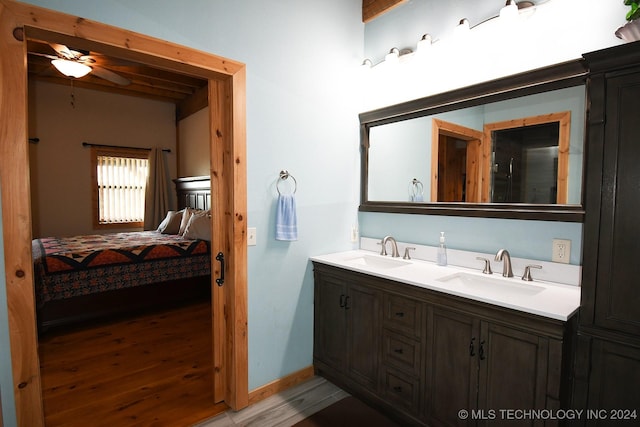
[284,174]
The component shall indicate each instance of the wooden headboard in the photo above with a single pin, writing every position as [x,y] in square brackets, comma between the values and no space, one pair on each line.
[194,192]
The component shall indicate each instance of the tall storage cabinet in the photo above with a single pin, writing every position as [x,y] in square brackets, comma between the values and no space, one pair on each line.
[607,365]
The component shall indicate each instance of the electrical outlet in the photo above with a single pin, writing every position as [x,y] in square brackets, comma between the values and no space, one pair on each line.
[561,251]
[251,236]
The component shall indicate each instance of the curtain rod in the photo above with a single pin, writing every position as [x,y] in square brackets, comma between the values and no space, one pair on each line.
[88,144]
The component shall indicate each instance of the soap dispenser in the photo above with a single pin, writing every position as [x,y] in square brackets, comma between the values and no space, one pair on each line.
[442,251]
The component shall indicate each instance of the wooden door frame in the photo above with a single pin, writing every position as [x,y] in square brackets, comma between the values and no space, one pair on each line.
[227,91]
[564,121]
[475,142]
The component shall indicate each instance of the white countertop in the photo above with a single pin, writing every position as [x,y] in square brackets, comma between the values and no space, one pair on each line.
[552,300]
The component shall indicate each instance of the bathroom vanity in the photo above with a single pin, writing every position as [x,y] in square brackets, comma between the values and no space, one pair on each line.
[427,343]
[457,348]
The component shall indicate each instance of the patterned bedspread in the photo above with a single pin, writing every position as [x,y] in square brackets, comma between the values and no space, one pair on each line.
[80,265]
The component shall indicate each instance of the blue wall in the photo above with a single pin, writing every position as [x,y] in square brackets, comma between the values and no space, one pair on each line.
[303,100]
[524,239]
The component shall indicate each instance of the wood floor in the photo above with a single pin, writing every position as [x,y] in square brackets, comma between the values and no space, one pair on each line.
[153,370]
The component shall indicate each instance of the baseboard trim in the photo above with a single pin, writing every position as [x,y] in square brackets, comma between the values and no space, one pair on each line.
[280,384]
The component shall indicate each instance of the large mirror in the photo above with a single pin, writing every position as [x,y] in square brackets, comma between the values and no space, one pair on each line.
[511,148]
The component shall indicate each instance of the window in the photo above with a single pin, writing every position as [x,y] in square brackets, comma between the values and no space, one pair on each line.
[119,184]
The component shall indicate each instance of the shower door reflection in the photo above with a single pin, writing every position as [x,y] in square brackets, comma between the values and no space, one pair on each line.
[525,164]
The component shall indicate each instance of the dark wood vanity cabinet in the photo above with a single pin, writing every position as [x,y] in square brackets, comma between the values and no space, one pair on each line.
[485,366]
[452,367]
[607,367]
[401,362]
[431,355]
[347,316]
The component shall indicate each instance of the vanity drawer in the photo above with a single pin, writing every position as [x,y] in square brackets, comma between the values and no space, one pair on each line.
[403,314]
[401,352]
[402,390]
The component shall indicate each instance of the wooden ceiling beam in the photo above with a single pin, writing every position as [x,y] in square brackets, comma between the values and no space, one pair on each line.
[105,86]
[371,9]
[192,104]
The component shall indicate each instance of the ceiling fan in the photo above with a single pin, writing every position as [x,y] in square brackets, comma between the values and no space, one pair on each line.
[79,63]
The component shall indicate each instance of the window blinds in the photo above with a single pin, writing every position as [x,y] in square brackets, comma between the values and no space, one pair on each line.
[121,188]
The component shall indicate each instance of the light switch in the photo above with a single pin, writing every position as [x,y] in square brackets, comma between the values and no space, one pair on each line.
[251,236]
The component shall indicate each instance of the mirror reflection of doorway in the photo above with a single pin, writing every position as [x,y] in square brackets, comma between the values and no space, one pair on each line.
[455,160]
[452,169]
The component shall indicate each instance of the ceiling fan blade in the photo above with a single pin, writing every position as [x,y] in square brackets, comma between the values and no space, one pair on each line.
[86,59]
[44,55]
[63,51]
[103,73]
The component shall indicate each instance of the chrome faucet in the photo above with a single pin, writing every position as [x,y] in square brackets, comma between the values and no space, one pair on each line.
[394,246]
[503,255]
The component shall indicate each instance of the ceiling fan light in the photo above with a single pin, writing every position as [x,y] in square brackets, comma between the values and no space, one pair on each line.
[71,68]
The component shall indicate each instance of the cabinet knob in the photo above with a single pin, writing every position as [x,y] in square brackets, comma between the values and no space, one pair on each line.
[398,389]
[481,351]
[399,314]
[398,350]
[342,296]
[472,351]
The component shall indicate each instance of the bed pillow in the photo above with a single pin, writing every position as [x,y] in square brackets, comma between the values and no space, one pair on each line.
[199,226]
[187,212]
[171,223]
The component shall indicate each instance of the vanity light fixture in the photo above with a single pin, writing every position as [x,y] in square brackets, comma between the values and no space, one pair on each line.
[71,68]
[511,10]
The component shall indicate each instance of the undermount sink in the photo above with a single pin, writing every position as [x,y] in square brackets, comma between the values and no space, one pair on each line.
[488,284]
[377,262]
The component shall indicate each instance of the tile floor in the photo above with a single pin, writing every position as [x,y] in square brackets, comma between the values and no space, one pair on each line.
[283,409]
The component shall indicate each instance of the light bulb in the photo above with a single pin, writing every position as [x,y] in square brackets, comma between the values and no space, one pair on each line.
[424,43]
[393,56]
[509,11]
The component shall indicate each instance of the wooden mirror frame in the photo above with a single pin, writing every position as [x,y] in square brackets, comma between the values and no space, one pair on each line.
[564,75]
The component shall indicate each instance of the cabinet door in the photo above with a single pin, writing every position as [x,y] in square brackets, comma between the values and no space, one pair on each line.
[513,371]
[617,296]
[330,321]
[613,384]
[363,334]
[452,367]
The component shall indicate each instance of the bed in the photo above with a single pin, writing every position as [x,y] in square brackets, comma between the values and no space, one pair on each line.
[90,277]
